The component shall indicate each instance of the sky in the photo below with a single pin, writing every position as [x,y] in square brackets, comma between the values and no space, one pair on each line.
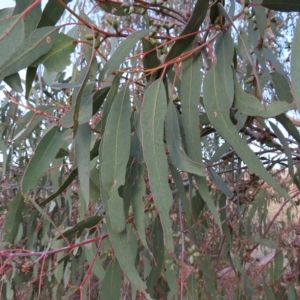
[6,3]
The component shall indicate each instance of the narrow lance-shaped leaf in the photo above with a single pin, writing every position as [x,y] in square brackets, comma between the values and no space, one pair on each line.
[286,5]
[43,155]
[193,25]
[120,54]
[177,154]
[116,148]
[251,106]
[295,64]
[82,151]
[152,128]
[112,282]
[135,189]
[218,113]
[120,241]
[37,44]
[14,217]
[190,99]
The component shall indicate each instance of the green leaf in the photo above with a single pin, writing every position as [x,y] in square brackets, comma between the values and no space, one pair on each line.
[109,100]
[43,155]
[14,217]
[120,54]
[59,56]
[220,182]
[190,100]
[218,113]
[71,177]
[114,8]
[178,156]
[80,226]
[82,151]
[261,19]
[286,5]
[112,282]
[287,150]
[89,105]
[295,64]
[11,36]
[14,81]
[150,59]
[282,87]
[30,76]
[193,25]
[52,13]
[152,128]
[251,106]
[116,149]
[158,251]
[121,242]
[134,191]
[37,44]
[289,126]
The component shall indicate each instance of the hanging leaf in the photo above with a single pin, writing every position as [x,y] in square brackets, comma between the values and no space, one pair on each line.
[177,154]
[43,155]
[58,58]
[152,126]
[295,64]
[82,151]
[121,52]
[37,44]
[287,5]
[116,148]
[112,282]
[251,106]
[218,113]
[14,218]
[192,26]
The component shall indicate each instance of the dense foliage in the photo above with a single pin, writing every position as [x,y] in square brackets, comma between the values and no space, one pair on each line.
[144,146]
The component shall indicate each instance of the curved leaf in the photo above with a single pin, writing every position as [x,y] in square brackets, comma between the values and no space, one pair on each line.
[120,54]
[251,106]
[177,154]
[152,128]
[218,113]
[193,25]
[286,5]
[43,155]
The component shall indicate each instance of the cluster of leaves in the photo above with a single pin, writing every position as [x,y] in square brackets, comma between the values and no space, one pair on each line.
[137,152]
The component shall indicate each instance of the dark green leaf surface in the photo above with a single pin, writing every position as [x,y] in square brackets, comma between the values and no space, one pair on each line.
[82,151]
[295,64]
[282,87]
[282,5]
[135,190]
[59,56]
[14,218]
[121,52]
[14,81]
[158,250]
[112,282]
[37,44]
[116,148]
[52,13]
[43,155]
[190,99]
[193,25]
[251,106]
[178,156]
[152,117]
[218,113]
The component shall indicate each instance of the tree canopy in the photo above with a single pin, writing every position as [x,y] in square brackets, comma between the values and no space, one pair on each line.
[144,146]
